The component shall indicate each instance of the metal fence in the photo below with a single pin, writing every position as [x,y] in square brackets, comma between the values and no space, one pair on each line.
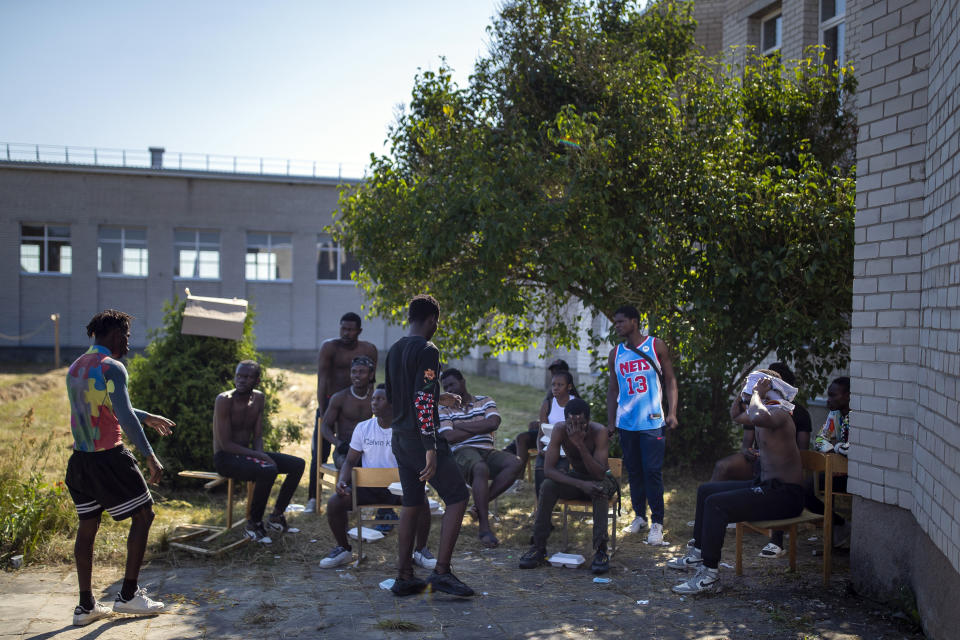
[173,160]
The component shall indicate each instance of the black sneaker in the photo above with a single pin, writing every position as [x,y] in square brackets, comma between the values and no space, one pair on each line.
[408,586]
[533,558]
[256,532]
[278,522]
[601,562]
[449,583]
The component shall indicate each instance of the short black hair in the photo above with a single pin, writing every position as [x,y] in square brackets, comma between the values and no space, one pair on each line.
[381,387]
[844,382]
[785,373]
[576,407]
[106,321]
[350,316]
[451,372]
[250,363]
[423,306]
[629,311]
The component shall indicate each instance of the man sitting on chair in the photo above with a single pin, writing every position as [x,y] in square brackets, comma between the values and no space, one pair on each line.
[470,431]
[370,444]
[238,451]
[586,445]
[776,494]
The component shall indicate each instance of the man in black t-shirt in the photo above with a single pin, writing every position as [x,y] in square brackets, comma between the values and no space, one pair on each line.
[413,388]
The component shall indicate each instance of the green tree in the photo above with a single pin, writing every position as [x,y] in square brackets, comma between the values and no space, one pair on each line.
[180,377]
[596,156]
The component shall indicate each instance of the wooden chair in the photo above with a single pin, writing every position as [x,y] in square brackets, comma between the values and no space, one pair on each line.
[373,478]
[815,462]
[531,463]
[585,507]
[212,532]
[327,475]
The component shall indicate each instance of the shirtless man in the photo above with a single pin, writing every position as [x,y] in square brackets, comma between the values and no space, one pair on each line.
[348,407]
[776,494]
[238,451]
[585,444]
[333,374]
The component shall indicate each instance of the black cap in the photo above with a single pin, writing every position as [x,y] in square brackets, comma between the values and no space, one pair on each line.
[559,365]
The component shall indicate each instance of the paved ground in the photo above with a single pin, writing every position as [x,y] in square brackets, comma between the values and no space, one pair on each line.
[278,593]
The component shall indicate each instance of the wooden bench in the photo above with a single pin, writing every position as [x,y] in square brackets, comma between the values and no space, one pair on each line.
[830,464]
[208,532]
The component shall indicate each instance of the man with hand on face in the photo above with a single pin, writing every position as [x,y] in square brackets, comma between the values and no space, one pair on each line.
[413,389]
[348,408]
[333,374]
[586,445]
[238,452]
[775,495]
[370,446]
[102,474]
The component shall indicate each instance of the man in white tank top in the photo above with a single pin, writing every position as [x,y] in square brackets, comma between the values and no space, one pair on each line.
[635,399]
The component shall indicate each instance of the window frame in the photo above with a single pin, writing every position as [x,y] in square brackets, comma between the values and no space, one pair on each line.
[340,253]
[270,244]
[123,246]
[44,257]
[776,14]
[197,246]
[838,21]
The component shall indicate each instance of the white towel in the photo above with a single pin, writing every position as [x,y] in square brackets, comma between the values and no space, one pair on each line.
[781,387]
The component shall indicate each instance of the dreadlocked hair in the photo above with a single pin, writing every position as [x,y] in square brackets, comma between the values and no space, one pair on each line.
[106,321]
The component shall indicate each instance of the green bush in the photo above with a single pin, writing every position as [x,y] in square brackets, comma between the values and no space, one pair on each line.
[180,377]
[31,509]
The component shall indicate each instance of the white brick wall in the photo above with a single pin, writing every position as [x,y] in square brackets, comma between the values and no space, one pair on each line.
[905,364]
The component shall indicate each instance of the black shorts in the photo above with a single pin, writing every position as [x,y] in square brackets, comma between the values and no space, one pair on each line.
[373,495]
[412,458]
[108,480]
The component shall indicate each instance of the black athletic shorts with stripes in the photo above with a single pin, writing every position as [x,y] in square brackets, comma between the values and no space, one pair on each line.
[412,458]
[106,480]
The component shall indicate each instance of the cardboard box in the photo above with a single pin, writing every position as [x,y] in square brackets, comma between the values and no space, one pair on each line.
[214,317]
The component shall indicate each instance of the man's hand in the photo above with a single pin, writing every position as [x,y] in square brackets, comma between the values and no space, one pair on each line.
[763,385]
[750,454]
[163,426]
[671,422]
[156,469]
[450,400]
[343,489]
[427,472]
[592,488]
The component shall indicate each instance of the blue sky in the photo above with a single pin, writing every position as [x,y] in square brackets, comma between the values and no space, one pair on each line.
[303,80]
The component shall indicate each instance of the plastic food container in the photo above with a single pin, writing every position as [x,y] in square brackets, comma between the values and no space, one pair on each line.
[396,489]
[568,560]
[369,535]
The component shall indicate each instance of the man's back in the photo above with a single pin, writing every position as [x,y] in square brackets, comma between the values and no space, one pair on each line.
[412,384]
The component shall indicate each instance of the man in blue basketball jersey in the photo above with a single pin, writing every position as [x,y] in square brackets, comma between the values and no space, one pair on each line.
[641,378]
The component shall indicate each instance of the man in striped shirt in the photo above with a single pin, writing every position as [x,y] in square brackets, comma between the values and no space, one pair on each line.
[470,431]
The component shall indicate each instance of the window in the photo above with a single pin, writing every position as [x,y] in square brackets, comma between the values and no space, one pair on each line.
[833,30]
[333,261]
[770,34]
[122,251]
[196,254]
[269,256]
[45,248]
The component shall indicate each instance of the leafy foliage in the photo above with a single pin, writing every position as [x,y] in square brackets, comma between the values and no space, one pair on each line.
[31,509]
[180,377]
[596,157]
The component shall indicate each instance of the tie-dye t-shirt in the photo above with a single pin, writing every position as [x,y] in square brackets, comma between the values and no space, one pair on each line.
[100,405]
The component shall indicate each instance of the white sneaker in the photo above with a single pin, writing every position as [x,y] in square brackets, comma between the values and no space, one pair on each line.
[311,506]
[82,617]
[655,537]
[772,550]
[705,579]
[638,525]
[692,560]
[139,604]
[425,559]
[336,558]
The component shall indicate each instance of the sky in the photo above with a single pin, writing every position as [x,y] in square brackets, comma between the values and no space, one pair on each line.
[304,80]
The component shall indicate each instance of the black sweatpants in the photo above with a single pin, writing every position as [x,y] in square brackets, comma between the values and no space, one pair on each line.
[551,491]
[719,503]
[246,468]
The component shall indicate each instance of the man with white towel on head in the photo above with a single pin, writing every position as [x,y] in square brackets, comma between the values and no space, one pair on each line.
[776,494]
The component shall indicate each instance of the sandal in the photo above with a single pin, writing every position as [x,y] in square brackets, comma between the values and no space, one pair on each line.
[772,551]
[488,539]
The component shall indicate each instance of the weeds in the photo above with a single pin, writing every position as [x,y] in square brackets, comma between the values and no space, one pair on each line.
[31,509]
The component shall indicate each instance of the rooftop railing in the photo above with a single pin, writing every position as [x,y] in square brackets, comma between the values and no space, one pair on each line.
[176,160]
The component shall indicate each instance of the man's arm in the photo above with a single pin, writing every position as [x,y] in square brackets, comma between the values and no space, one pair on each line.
[760,415]
[596,462]
[258,425]
[324,369]
[126,415]
[669,382]
[738,412]
[746,442]
[330,418]
[552,456]
[613,393]
[222,424]
[345,479]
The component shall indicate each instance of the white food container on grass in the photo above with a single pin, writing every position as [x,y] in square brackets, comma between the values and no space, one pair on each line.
[568,560]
